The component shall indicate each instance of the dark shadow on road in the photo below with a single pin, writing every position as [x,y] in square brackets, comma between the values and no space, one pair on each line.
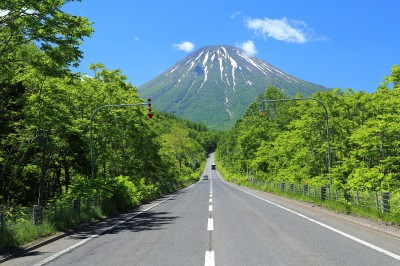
[133,221]
[150,220]
[146,221]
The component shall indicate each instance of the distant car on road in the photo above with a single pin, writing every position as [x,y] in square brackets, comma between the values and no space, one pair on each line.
[205,177]
[213,167]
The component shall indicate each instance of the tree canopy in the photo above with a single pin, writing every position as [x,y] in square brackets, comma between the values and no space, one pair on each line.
[289,144]
[45,113]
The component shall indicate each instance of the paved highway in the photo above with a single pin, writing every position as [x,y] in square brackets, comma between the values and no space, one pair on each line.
[215,223]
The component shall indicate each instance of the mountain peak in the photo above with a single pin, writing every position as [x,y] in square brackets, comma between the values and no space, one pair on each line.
[215,85]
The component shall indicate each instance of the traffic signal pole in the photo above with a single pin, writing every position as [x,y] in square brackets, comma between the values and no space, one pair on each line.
[326,122]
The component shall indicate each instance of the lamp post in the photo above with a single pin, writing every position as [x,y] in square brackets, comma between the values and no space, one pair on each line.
[326,121]
[150,115]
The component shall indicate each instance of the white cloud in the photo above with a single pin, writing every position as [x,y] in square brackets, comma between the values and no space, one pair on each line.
[184,46]
[248,48]
[235,14]
[136,39]
[292,31]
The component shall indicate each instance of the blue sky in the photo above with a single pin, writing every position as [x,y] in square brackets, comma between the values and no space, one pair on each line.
[337,44]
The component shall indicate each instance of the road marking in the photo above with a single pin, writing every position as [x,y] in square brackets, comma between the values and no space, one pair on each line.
[365,243]
[209,261]
[99,232]
[210,195]
[210,208]
[210,200]
[210,225]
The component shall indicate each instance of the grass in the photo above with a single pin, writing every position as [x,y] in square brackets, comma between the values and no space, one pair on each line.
[23,231]
[340,206]
[336,206]
[18,234]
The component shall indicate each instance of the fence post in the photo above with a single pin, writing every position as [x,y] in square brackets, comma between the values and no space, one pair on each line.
[283,186]
[2,223]
[385,201]
[357,196]
[291,187]
[77,206]
[37,214]
[323,192]
[306,190]
[376,200]
[54,211]
[88,203]
[346,194]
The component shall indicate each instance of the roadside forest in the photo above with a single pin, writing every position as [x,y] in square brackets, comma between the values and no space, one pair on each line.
[286,141]
[45,112]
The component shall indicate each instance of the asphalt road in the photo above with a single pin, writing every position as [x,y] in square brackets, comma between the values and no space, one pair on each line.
[215,223]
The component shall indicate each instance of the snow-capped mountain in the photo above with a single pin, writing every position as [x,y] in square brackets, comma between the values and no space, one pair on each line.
[215,85]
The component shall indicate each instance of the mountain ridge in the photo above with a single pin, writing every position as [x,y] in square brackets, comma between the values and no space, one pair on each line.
[215,84]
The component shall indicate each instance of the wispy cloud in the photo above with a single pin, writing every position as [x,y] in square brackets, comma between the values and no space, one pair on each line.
[235,14]
[291,31]
[184,46]
[248,47]
[136,39]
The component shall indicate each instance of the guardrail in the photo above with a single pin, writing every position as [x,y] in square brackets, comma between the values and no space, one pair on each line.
[379,201]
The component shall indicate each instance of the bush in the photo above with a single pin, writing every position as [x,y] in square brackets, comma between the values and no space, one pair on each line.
[125,194]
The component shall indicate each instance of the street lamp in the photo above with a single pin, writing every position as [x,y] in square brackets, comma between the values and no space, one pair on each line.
[150,115]
[326,121]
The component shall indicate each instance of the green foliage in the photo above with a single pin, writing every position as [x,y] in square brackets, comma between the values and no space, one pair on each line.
[45,120]
[48,126]
[289,144]
[57,34]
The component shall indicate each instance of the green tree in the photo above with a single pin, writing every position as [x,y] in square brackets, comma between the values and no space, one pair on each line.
[57,34]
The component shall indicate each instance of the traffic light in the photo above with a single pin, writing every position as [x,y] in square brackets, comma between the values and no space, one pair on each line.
[150,113]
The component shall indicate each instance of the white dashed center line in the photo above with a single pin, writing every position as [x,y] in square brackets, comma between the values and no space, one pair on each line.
[209,258]
[210,225]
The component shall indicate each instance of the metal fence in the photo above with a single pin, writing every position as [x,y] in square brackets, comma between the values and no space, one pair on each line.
[384,202]
[56,211]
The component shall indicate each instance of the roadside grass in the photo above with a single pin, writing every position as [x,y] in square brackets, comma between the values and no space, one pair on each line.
[340,206]
[23,231]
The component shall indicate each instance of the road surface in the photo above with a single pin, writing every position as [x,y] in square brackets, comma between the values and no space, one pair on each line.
[216,223]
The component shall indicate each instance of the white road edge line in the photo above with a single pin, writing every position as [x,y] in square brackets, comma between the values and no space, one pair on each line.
[209,260]
[210,224]
[101,231]
[365,243]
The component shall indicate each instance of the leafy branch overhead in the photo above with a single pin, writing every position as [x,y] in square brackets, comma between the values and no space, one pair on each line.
[43,23]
